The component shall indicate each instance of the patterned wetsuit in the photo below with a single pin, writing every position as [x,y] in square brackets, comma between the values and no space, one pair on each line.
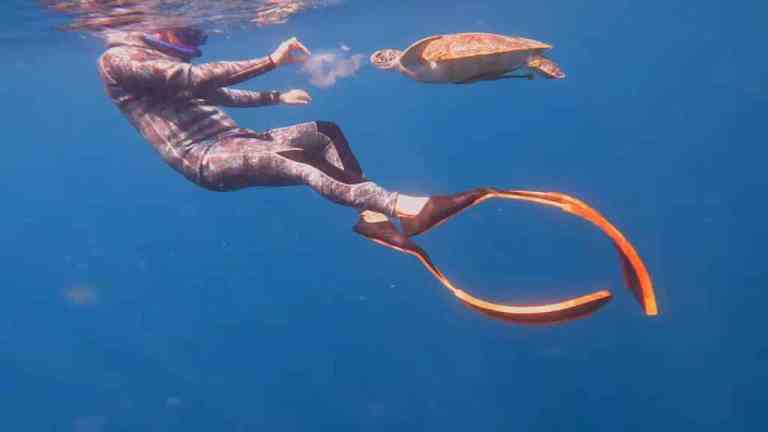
[174,105]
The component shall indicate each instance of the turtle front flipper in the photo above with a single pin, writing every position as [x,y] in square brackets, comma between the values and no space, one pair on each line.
[545,67]
[493,77]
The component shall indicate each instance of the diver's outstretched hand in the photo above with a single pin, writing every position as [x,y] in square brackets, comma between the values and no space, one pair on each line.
[295,97]
[290,51]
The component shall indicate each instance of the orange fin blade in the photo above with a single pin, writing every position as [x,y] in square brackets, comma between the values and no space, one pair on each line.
[636,274]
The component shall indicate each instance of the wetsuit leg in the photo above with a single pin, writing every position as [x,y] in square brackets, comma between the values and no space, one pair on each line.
[321,139]
[340,146]
[294,156]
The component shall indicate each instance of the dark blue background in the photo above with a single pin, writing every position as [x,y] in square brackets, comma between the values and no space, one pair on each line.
[261,310]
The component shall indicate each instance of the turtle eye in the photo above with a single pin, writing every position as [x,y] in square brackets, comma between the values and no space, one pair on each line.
[379,57]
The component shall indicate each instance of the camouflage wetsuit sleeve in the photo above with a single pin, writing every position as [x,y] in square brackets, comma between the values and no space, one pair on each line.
[180,78]
[227,97]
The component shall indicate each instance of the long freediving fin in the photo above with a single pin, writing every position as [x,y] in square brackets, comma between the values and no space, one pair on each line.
[636,274]
[385,234]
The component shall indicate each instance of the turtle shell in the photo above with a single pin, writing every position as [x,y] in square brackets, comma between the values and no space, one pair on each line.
[464,56]
[466,45]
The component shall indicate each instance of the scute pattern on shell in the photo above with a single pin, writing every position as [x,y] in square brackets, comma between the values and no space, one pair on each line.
[462,45]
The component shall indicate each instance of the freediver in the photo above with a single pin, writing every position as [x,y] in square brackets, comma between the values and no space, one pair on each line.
[175,105]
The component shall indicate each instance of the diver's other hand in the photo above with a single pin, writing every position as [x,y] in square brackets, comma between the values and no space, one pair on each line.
[290,51]
[295,97]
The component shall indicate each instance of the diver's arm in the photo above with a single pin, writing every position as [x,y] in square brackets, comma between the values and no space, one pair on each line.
[183,79]
[180,78]
[227,97]
[242,98]
[222,74]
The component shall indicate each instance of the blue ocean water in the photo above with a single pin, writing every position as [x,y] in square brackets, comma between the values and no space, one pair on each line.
[136,301]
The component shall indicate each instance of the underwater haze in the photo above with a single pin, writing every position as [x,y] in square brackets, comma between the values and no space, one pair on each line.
[135,300]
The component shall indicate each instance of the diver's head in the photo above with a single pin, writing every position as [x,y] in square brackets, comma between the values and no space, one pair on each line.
[183,40]
[190,37]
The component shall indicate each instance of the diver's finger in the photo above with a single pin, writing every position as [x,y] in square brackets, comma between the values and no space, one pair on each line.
[300,46]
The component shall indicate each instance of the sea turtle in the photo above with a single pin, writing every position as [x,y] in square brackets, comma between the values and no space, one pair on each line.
[464,58]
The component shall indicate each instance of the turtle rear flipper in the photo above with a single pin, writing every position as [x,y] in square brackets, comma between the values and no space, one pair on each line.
[493,77]
[545,67]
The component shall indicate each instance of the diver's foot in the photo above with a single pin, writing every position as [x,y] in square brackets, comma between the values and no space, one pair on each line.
[377,227]
[439,208]
[407,205]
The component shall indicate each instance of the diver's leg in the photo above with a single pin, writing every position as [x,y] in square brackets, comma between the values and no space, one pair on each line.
[336,185]
[374,202]
[321,139]
[308,144]
[236,163]
[340,146]
[338,153]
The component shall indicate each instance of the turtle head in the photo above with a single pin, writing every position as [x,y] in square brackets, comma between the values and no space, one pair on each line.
[386,58]
[545,67]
